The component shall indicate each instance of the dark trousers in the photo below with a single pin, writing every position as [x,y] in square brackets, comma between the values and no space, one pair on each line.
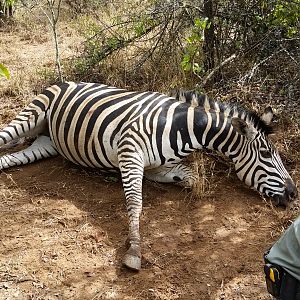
[290,288]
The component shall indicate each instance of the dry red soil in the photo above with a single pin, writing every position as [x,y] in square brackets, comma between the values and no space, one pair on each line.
[63,232]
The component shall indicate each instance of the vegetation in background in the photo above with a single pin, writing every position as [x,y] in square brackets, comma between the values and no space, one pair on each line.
[204,44]
[286,15]
[192,44]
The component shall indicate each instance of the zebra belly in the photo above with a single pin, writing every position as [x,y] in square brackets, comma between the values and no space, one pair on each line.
[87,142]
[87,153]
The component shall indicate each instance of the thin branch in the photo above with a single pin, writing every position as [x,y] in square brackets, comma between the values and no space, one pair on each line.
[152,50]
[120,44]
[53,19]
[251,73]
[290,55]
[212,73]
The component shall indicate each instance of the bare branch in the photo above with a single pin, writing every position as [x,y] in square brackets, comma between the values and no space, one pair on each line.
[53,19]
[251,73]
[212,73]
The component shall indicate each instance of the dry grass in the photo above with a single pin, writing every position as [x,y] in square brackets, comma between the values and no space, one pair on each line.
[27,49]
[204,166]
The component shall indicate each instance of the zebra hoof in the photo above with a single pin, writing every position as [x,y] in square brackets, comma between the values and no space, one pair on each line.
[132,262]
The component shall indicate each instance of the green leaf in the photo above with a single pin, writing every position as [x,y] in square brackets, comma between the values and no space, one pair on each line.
[198,22]
[197,68]
[186,65]
[111,179]
[140,28]
[4,72]
[207,25]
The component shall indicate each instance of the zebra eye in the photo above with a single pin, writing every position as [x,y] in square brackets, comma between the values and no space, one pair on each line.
[266,154]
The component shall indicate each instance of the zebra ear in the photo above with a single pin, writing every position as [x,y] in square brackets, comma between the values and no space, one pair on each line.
[267,116]
[243,128]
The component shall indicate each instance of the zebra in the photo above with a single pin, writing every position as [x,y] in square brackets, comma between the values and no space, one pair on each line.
[146,134]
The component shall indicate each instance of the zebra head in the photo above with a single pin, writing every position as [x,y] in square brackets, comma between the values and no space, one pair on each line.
[258,163]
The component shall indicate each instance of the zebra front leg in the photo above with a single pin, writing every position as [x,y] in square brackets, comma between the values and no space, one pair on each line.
[132,167]
[179,173]
[42,147]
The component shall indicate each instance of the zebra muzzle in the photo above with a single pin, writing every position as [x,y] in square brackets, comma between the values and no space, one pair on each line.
[291,189]
[290,194]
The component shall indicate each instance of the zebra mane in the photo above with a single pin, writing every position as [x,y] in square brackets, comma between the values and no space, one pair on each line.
[230,109]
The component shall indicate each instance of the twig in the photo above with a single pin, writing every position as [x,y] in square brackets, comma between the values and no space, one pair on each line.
[289,54]
[120,44]
[251,73]
[150,53]
[53,19]
[212,73]
[15,278]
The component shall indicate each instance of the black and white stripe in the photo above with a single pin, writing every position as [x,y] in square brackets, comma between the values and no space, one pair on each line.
[145,133]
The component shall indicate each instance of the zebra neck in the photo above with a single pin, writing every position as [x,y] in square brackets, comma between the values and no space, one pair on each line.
[213,130]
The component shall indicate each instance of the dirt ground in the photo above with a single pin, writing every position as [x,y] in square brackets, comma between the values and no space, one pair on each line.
[63,229]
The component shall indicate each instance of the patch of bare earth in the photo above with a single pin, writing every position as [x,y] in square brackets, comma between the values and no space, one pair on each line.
[63,233]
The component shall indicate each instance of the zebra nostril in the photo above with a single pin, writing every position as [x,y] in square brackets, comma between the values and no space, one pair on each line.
[291,189]
[176,178]
[294,194]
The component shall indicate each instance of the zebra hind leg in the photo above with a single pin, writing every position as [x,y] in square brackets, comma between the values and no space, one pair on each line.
[180,173]
[30,122]
[14,143]
[41,148]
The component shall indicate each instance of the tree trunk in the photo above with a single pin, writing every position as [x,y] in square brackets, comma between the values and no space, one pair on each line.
[209,36]
[10,11]
[2,9]
[6,10]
